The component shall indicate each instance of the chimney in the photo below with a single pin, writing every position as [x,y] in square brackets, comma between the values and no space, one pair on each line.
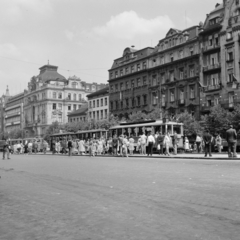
[224,2]
[7,92]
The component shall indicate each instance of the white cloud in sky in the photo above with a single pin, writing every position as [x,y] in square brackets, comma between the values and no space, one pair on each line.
[128,24]
[69,34]
[9,50]
[11,11]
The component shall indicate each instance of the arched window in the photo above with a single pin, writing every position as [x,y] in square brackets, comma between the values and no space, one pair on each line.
[74,96]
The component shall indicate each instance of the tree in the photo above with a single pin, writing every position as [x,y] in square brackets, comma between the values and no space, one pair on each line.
[15,134]
[190,125]
[55,127]
[137,116]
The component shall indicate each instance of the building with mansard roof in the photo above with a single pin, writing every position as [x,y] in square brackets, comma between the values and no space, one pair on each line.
[51,97]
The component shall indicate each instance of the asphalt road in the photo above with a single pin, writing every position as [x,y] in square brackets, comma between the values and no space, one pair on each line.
[82,198]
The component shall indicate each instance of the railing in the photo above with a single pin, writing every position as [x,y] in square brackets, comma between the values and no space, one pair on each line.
[213,87]
[211,67]
[214,46]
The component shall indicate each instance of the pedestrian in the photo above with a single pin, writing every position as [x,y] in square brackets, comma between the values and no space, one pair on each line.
[186,145]
[120,144]
[64,146]
[30,147]
[26,147]
[94,148]
[18,148]
[115,144]
[6,150]
[131,144]
[218,141]
[160,140]
[70,145]
[110,146]
[207,138]
[199,143]
[45,145]
[231,137]
[35,147]
[125,146]
[150,143]
[175,143]
[58,147]
[143,143]
[166,142]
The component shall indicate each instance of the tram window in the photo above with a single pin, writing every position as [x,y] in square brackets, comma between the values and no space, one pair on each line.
[169,129]
[177,128]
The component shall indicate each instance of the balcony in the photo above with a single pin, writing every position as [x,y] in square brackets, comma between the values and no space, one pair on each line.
[206,108]
[213,87]
[208,49]
[212,67]
[181,101]
[233,85]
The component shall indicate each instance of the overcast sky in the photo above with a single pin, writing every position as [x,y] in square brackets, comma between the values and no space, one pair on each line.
[83,37]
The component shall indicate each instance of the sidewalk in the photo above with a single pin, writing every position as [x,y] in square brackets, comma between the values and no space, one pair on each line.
[215,156]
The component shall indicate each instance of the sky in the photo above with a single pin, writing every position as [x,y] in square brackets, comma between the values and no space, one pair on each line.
[83,37]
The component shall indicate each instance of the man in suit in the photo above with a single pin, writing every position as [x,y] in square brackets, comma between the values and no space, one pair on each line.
[159,141]
[232,141]
[207,139]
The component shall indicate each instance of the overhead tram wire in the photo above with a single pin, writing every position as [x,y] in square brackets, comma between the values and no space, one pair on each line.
[68,70]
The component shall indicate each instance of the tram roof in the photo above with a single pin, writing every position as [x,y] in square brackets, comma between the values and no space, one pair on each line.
[78,132]
[156,123]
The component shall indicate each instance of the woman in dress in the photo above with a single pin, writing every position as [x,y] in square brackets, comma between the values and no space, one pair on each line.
[131,145]
[100,146]
[94,148]
[58,147]
[186,144]
[74,147]
[166,142]
[125,146]
[81,147]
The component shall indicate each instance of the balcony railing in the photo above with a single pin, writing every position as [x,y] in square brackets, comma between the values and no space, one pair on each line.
[211,67]
[213,87]
[181,101]
[163,104]
[209,48]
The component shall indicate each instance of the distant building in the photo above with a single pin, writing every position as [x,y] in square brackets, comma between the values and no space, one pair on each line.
[51,97]
[98,104]
[79,115]
[14,113]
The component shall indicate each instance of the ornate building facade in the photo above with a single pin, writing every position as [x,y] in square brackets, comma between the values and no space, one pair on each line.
[165,77]
[220,41]
[51,97]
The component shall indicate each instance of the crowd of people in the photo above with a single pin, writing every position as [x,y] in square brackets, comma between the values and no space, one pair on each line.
[124,146]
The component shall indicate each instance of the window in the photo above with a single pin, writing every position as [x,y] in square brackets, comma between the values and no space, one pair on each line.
[75,97]
[116,87]
[172,95]
[94,103]
[154,98]
[181,94]
[216,100]
[60,106]
[154,62]
[111,75]
[181,54]
[132,69]
[121,104]
[121,73]
[74,85]
[79,97]
[191,51]
[94,115]
[154,80]
[127,85]
[216,41]
[138,82]
[181,73]
[116,105]
[102,102]
[69,107]
[116,74]
[106,101]
[101,114]
[162,78]
[192,92]
[191,72]
[127,103]
[97,115]
[172,76]
[133,84]
[74,107]
[163,98]
[54,106]
[230,56]
[139,101]
[126,70]
[97,103]
[138,67]
[59,95]
[121,86]
[79,106]
[144,65]
[133,102]
[162,60]
[210,41]
[106,113]
[145,99]
[229,35]
[69,96]
[230,76]
[144,80]
[231,97]
[111,88]
[171,57]
[54,95]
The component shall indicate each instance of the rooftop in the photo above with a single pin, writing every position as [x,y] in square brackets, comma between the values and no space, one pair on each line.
[100,92]
[80,112]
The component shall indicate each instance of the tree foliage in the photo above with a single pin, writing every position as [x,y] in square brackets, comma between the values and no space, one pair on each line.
[14,134]
[54,128]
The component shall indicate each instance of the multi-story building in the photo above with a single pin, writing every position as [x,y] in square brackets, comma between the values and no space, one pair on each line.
[164,77]
[220,56]
[14,113]
[98,104]
[50,97]
[3,101]
[80,115]
[128,82]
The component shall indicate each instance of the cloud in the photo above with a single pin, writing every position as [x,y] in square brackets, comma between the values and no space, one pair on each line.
[69,34]
[128,24]
[14,10]
[9,49]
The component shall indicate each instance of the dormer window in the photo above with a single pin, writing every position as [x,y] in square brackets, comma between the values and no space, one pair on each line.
[74,85]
